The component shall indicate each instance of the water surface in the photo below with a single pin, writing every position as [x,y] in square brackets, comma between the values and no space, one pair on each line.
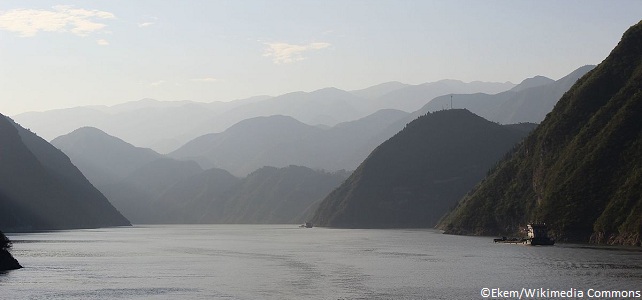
[286,262]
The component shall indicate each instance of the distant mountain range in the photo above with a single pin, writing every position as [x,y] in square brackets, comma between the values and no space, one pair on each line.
[257,142]
[40,189]
[412,179]
[267,196]
[580,171]
[165,126]
[280,141]
[150,188]
[529,101]
[328,129]
[104,159]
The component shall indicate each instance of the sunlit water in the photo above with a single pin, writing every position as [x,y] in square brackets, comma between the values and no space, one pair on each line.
[286,262]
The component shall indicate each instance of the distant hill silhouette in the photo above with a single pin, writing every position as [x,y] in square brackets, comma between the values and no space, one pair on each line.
[155,189]
[267,196]
[413,178]
[532,82]
[135,195]
[130,177]
[280,141]
[41,189]
[379,90]
[104,159]
[580,171]
[166,125]
[414,97]
[162,125]
[529,101]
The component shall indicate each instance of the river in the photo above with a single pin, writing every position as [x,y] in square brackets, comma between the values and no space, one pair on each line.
[287,262]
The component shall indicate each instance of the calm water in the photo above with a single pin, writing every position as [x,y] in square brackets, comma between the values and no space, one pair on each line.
[285,262]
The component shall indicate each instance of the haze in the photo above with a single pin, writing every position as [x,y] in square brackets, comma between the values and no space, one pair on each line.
[73,53]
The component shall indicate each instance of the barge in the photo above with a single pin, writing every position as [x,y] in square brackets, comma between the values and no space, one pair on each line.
[537,236]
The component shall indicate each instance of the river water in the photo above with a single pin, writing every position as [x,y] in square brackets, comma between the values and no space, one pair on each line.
[286,262]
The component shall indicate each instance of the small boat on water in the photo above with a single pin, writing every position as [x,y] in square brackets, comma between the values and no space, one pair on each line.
[306,225]
[537,236]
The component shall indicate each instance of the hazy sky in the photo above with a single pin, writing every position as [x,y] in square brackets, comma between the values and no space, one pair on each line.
[71,53]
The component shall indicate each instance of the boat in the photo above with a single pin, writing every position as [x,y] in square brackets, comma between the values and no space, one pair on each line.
[512,240]
[537,236]
[306,225]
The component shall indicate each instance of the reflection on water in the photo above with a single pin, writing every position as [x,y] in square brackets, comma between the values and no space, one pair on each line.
[286,262]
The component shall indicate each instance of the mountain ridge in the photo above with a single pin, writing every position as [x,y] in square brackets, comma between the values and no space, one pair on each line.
[412,179]
[40,189]
[580,170]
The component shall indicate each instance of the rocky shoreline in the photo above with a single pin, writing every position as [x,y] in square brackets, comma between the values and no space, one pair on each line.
[7,262]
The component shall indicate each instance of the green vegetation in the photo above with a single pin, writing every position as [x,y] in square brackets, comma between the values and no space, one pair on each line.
[412,179]
[580,171]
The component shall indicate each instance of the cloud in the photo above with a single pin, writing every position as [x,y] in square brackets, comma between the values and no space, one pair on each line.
[146,24]
[63,18]
[157,83]
[283,53]
[102,42]
[206,79]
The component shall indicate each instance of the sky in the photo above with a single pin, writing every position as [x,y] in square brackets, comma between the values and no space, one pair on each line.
[60,54]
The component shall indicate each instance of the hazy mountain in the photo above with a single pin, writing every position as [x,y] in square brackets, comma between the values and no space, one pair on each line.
[280,141]
[198,199]
[379,90]
[413,97]
[348,144]
[253,143]
[136,194]
[580,171]
[413,178]
[130,177]
[41,189]
[268,195]
[529,101]
[166,125]
[163,125]
[327,106]
[532,82]
[104,159]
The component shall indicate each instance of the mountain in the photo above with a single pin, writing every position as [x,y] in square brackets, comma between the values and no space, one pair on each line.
[413,178]
[529,101]
[150,188]
[280,141]
[198,199]
[40,189]
[104,159]
[135,195]
[580,171]
[253,143]
[327,106]
[130,177]
[413,97]
[163,125]
[268,195]
[166,125]
[379,90]
[532,82]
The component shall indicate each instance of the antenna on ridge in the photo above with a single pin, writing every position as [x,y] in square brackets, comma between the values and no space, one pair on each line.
[451,101]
